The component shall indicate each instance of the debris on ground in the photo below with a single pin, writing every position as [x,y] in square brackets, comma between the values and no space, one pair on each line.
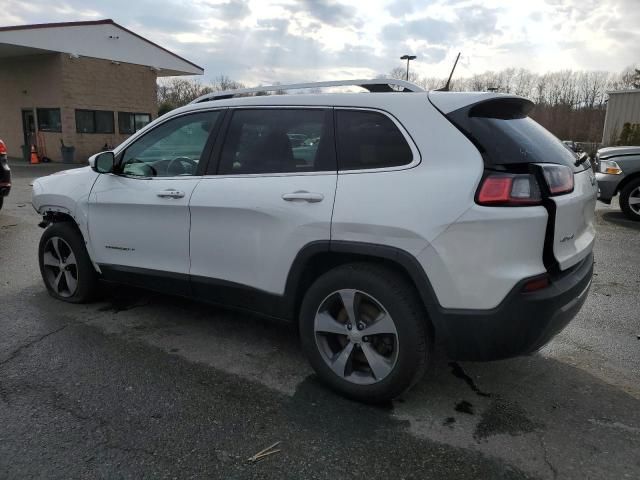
[264,453]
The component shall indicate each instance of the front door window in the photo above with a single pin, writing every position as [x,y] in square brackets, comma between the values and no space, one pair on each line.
[172,149]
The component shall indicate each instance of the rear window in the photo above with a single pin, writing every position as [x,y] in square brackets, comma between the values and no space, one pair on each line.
[368,139]
[506,136]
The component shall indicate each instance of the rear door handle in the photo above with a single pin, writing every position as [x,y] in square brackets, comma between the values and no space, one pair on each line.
[170,193]
[303,195]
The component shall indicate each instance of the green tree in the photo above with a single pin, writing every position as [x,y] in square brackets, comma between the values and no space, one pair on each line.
[625,134]
[635,135]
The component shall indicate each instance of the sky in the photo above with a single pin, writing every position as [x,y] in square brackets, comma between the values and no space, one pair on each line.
[262,42]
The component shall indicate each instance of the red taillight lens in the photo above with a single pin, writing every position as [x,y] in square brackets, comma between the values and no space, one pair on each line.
[3,148]
[506,189]
[559,178]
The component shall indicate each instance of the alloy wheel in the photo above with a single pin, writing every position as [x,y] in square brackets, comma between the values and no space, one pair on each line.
[356,336]
[634,200]
[60,267]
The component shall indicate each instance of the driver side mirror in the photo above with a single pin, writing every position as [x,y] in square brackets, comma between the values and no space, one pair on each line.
[103,162]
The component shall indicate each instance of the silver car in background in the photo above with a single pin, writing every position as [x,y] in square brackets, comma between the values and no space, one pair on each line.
[618,172]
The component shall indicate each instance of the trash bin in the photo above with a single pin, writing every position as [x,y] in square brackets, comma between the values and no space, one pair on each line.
[67,153]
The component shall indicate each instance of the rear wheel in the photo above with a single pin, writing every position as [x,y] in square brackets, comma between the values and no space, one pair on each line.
[364,331]
[65,264]
[1,202]
[630,200]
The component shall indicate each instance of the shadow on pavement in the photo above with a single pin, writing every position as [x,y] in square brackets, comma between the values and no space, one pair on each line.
[620,219]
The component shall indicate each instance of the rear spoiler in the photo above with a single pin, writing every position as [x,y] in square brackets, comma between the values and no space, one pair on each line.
[448,102]
[504,108]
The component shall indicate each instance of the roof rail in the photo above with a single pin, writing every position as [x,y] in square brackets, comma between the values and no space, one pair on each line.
[375,85]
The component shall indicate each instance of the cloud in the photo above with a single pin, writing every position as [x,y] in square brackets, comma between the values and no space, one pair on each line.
[471,23]
[232,10]
[260,41]
[329,12]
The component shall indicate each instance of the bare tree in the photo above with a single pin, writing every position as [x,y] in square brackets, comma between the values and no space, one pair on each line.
[570,104]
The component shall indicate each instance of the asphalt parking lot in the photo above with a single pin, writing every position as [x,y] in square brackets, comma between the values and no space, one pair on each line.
[143,385]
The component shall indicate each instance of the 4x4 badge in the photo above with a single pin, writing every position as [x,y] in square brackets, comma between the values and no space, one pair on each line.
[567,238]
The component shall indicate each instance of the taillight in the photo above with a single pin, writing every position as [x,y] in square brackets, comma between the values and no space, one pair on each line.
[3,148]
[559,178]
[509,189]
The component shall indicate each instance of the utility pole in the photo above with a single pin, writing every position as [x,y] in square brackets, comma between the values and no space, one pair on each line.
[408,58]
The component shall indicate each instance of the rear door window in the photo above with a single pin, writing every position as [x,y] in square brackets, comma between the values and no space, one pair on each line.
[367,139]
[278,140]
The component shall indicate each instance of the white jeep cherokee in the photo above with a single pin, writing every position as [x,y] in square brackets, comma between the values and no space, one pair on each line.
[380,222]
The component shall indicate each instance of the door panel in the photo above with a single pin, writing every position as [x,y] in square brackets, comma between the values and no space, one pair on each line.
[272,196]
[244,231]
[130,224]
[139,219]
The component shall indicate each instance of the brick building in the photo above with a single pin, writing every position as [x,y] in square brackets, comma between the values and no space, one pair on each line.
[85,84]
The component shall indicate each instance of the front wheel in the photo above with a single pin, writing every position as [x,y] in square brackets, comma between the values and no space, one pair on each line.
[630,200]
[65,265]
[364,330]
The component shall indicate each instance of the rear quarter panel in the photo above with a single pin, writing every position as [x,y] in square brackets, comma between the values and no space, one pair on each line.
[472,255]
[408,207]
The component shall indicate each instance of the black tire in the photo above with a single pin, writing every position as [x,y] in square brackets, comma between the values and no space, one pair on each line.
[400,299]
[1,202]
[625,193]
[85,274]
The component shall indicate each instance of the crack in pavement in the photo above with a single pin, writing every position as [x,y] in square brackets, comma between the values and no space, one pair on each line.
[545,457]
[3,395]
[18,350]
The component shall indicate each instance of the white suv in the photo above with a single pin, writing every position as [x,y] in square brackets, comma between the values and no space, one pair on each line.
[380,222]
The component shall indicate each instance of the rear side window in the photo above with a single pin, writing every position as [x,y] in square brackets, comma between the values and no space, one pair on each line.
[273,140]
[368,139]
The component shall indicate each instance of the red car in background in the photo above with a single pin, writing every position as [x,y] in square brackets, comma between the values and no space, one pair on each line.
[5,173]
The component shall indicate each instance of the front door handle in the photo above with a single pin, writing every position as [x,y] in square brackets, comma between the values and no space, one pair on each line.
[303,195]
[170,193]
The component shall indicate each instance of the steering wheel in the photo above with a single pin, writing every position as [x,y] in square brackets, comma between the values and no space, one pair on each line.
[135,161]
[180,161]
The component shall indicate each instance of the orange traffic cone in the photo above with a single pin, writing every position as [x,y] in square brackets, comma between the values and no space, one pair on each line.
[34,155]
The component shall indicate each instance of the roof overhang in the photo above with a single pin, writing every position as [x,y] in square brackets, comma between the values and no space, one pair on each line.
[103,39]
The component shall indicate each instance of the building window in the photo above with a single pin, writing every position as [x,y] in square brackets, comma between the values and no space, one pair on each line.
[132,122]
[49,120]
[94,121]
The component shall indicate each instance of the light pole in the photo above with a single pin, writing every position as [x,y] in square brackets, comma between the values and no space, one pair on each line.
[408,58]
